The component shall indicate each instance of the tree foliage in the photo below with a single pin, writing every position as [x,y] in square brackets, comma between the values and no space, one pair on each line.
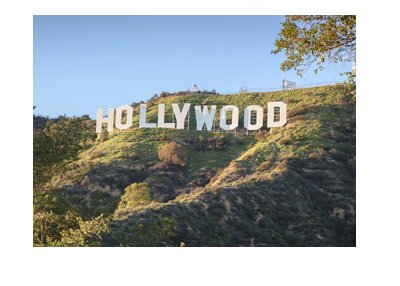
[57,143]
[51,229]
[312,41]
[46,228]
[89,233]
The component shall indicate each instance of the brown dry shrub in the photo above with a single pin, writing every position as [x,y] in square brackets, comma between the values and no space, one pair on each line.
[260,135]
[172,153]
[95,154]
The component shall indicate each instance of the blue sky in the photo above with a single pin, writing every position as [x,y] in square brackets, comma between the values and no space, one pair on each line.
[85,62]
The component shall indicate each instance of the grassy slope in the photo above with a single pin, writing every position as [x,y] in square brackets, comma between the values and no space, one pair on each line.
[293,186]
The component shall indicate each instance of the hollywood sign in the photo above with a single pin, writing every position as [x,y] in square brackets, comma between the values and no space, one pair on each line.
[204,116]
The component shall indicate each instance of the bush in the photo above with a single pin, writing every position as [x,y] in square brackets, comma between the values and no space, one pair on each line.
[133,155]
[135,195]
[148,232]
[95,154]
[260,135]
[172,153]
[219,142]
[103,136]
[109,180]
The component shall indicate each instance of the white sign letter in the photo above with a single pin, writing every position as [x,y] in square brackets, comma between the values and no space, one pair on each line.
[235,117]
[161,117]
[142,118]
[271,114]
[247,117]
[118,117]
[203,117]
[109,120]
[180,115]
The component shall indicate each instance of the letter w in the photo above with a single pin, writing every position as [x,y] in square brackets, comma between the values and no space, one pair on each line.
[204,117]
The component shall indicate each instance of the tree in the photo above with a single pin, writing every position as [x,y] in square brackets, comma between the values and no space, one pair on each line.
[315,40]
[60,141]
[89,233]
[46,228]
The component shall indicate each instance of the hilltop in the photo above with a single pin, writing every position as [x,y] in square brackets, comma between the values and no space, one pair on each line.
[288,186]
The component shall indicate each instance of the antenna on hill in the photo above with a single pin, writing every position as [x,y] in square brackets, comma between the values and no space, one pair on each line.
[287,84]
[243,89]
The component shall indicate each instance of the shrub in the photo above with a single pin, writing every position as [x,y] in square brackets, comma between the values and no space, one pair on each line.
[135,195]
[148,232]
[103,135]
[172,153]
[219,142]
[260,135]
[95,154]
[109,180]
[133,155]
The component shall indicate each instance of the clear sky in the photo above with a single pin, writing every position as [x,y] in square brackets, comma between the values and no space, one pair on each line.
[85,62]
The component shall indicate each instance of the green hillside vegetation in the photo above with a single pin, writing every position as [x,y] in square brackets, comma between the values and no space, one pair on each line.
[288,186]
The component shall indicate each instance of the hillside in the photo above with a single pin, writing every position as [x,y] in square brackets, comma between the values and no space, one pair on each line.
[289,186]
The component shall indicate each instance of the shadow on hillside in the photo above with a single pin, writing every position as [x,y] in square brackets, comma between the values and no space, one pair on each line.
[97,190]
[312,203]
